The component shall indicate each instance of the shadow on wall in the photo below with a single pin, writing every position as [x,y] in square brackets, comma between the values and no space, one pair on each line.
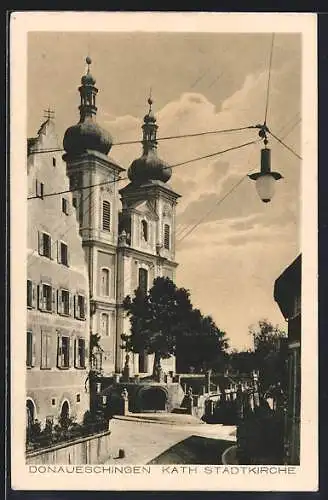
[193,450]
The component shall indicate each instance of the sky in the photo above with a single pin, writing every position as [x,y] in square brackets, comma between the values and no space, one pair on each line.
[199,82]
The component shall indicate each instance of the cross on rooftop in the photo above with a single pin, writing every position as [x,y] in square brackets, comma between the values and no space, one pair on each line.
[48,113]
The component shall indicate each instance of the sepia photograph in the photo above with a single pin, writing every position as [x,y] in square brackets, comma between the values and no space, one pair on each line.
[168,250]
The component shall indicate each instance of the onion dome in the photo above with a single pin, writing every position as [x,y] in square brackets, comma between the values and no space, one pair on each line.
[87,134]
[149,167]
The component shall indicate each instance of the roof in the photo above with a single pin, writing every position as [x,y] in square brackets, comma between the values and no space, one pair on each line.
[288,286]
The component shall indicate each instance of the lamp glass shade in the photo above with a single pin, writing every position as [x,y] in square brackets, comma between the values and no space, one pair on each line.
[265,186]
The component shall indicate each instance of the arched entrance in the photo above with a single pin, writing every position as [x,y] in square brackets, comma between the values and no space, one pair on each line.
[64,414]
[30,413]
[153,399]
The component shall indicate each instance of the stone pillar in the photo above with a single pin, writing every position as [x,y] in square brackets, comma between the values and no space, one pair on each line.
[124,402]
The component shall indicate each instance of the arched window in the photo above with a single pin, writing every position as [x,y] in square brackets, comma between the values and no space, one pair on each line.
[30,413]
[104,324]
[167,236]
[144,226]
[64,414]
[143,279]
[106,215]
[104,282]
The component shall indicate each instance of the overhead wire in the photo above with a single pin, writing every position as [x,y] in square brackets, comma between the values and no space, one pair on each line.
[209,212]
[269,78]
[192,160]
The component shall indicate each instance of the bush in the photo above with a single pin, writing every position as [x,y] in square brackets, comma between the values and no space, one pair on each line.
[66,430]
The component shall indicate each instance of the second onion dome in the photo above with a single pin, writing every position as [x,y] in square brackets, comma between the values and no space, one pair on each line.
[149,167]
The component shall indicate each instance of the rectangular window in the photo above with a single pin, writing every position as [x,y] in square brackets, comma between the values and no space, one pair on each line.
[45,298]
[39,189]
[167,236]
[65,206]
[29,293]
[63,253]
[63,302]
[53,402]
[78,398]
[79,353]
[143,280]
[63,352]
[106,216]
[30,349]
[45,244]
[79,307]
[74,202]
[45,350]
[53,161]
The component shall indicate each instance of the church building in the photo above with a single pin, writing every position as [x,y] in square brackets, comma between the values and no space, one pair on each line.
[128,233]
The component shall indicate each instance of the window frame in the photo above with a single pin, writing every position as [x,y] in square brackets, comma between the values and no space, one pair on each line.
[80,361]
[41,235]
[45,339]
[77,308]
[108,331]
[60,302]
[42,299]
[102,269]
[60,254]
[60,353]
[65,205]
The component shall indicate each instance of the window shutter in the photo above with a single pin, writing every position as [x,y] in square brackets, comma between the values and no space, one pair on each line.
[40,296]
[54,300]
[33,350]
[34,294]
[70,351]
[71,304]
[75,307]
[59,302]
[86,354]
[59,351]
[40,240]
[51,251]
[58,252]
[76,352]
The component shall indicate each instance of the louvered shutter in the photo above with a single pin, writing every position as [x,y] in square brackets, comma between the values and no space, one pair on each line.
[59,351]
[40,243]
[86,354]
[54,300]
[70,351]
[59,302]
[40,297]
[58,252]
[33,349]
[76,352]
[71,304]
[34,294]
[51,250]
[75,307]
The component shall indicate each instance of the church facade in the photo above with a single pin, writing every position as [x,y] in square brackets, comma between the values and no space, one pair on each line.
[128,233]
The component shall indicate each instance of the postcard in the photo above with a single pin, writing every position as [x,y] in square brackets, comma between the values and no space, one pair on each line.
[163,176]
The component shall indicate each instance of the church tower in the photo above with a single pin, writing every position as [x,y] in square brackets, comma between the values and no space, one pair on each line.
[93,177]
[147,227]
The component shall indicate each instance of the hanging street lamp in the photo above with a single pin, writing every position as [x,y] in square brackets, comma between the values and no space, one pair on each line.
[265,179]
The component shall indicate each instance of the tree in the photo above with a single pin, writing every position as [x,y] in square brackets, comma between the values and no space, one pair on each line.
[202,343]
[270,353]
[163,318]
